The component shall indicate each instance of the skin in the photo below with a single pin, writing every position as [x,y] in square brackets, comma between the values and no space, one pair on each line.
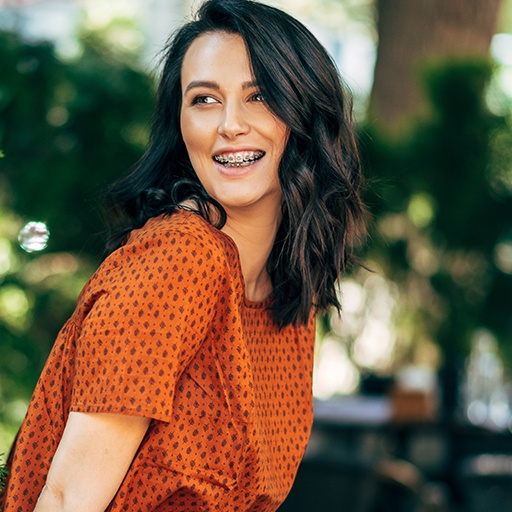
[223,112]
[91,461]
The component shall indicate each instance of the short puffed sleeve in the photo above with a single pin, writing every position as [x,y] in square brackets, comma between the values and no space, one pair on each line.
[153,301]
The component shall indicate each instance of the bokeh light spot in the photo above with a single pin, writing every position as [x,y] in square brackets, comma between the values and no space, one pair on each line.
[421,210]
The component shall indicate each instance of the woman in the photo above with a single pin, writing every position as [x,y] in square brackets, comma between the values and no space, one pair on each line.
[183,379]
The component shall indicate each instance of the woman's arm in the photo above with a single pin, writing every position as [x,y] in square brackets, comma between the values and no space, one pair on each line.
[91,461]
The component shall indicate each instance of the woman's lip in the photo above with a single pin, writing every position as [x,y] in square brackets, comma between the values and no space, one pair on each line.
[225,151]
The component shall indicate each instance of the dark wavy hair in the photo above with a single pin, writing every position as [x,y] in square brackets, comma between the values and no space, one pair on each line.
[320,171]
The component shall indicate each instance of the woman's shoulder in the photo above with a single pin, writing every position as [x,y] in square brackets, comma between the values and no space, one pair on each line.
[182,229]
[181,249]
[182,241]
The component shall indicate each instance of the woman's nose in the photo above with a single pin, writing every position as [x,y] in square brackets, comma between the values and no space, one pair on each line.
[234,121]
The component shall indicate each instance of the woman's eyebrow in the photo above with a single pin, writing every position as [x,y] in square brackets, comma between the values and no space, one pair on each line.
[202,83]
[249,85]
[214,85]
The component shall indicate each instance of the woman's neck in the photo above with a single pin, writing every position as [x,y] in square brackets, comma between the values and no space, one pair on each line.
[254,236]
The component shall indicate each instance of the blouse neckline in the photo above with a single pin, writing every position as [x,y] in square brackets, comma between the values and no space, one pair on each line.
[261,304]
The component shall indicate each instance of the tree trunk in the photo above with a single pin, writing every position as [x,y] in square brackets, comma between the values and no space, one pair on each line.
[411,31]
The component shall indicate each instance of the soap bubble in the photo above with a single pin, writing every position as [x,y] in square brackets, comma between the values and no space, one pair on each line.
[34,236]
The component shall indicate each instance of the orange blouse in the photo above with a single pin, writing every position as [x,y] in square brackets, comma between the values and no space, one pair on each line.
[163,329]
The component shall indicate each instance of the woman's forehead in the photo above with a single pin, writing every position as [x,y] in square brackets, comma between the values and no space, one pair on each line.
[217,57]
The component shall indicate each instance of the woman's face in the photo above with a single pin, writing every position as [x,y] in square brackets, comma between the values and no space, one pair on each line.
[233,141]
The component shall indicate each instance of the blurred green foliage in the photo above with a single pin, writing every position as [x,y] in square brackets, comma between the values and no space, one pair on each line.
[67,129]
[442,199]
[3,472]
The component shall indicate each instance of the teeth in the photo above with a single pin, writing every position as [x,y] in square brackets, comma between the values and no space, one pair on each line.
[241,159]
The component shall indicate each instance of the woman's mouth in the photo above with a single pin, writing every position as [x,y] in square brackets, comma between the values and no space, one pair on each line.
[239,158]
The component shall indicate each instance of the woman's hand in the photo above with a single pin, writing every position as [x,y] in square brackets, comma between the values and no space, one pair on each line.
[91,461]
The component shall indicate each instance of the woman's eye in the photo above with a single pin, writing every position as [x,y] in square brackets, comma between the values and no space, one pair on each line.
[203,100]
[258,97]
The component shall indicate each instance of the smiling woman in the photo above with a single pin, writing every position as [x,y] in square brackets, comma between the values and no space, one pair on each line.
[235,145]
[183,380]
